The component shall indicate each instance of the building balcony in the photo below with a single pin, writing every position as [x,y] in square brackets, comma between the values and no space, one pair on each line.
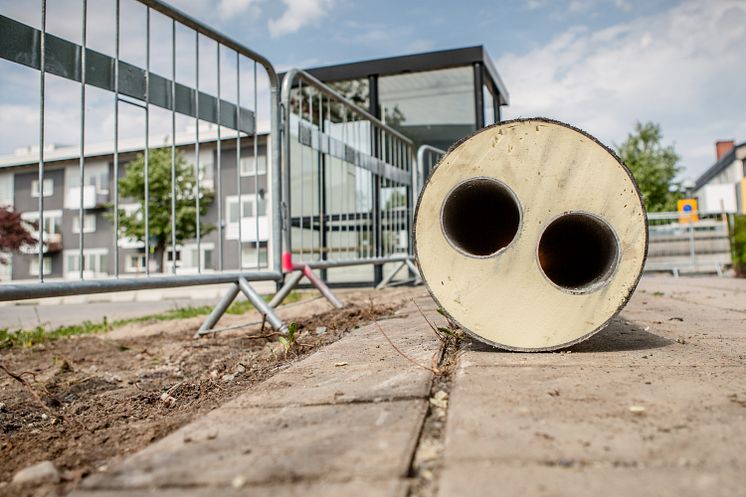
[250,227]
[52,244]
[93,198]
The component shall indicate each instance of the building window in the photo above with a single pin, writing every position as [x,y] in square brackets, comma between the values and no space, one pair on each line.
[135,263]
[33,268]
[6,270]
[95,188]
[48,187]
[251,255]
[170,256]
[254,225]
[6,190]
[89,223]
[96,175]
[415,102]
[247,206]
[52,220]
[94,261]
[190,256]
[206,175]
[247,165]
[488,106]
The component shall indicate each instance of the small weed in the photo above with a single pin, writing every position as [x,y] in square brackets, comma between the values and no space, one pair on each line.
[450,337]
[29,338]
[658,294]
[289,340]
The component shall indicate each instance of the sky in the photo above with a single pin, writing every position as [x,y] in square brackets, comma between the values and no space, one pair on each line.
[601,65]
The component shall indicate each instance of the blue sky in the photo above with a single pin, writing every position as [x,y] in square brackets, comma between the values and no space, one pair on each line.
[597,64]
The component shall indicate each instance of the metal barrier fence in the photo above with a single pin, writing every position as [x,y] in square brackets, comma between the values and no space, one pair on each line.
[427,158]
[140,88]
[348,181]
[696,242]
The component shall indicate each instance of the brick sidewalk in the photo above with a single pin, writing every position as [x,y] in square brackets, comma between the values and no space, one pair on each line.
[654,405]
[344,421]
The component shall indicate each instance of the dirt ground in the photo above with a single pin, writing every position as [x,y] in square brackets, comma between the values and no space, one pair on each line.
[85,401]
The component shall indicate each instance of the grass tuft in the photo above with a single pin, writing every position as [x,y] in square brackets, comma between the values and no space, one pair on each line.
[40,334]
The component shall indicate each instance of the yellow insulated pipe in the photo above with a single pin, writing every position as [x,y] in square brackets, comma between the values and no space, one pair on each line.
[531,235]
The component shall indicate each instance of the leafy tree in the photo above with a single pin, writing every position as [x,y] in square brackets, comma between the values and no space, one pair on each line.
[132,185]
[653,165]
[13,233]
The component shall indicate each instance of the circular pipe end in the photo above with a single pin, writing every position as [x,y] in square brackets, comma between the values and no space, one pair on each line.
[578,252]
[480,217]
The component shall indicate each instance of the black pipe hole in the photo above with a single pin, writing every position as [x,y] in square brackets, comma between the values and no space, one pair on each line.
[578,250]
[480,216]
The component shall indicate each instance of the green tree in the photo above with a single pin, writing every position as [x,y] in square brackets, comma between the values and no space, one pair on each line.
[132,185]
[653,165]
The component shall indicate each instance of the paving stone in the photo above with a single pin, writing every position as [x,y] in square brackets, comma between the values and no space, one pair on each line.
[368,488]
[363,367]
[545,414]
[723,293]
[263,446]
[486,479]
[621,348]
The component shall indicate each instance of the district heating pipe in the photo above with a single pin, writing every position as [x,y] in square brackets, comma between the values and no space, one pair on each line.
[531,235]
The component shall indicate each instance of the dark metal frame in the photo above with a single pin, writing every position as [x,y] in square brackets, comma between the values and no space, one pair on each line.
[485,75]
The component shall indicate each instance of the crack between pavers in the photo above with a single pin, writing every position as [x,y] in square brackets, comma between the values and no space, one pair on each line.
[427,457]
[376,400]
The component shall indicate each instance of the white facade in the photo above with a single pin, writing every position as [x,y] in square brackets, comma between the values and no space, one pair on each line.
[721,191]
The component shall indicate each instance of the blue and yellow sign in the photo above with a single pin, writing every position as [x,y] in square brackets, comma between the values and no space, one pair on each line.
[687,208]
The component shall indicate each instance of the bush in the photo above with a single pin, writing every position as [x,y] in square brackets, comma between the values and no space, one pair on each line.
[739,245]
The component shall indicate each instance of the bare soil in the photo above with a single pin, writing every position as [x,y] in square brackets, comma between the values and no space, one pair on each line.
[90,399]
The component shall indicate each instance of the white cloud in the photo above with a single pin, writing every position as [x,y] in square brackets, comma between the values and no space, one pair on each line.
[298,13]
[683,68]
[230,8]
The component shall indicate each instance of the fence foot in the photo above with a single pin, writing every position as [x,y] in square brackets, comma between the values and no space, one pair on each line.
[292,282]
[321,287]
[218,311]
[384,283]
[413,267]
[285,290]
[244,287]
[262,306]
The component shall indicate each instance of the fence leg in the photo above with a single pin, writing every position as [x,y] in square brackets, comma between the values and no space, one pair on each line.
[390,276]
[412,267]
[692,251]
[218,311]
[283,292]
[321,287]
[261,305]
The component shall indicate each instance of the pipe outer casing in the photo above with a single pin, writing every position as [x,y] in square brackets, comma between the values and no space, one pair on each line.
[564,268]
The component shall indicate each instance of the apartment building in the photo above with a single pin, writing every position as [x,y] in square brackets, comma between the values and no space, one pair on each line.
[61,188]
